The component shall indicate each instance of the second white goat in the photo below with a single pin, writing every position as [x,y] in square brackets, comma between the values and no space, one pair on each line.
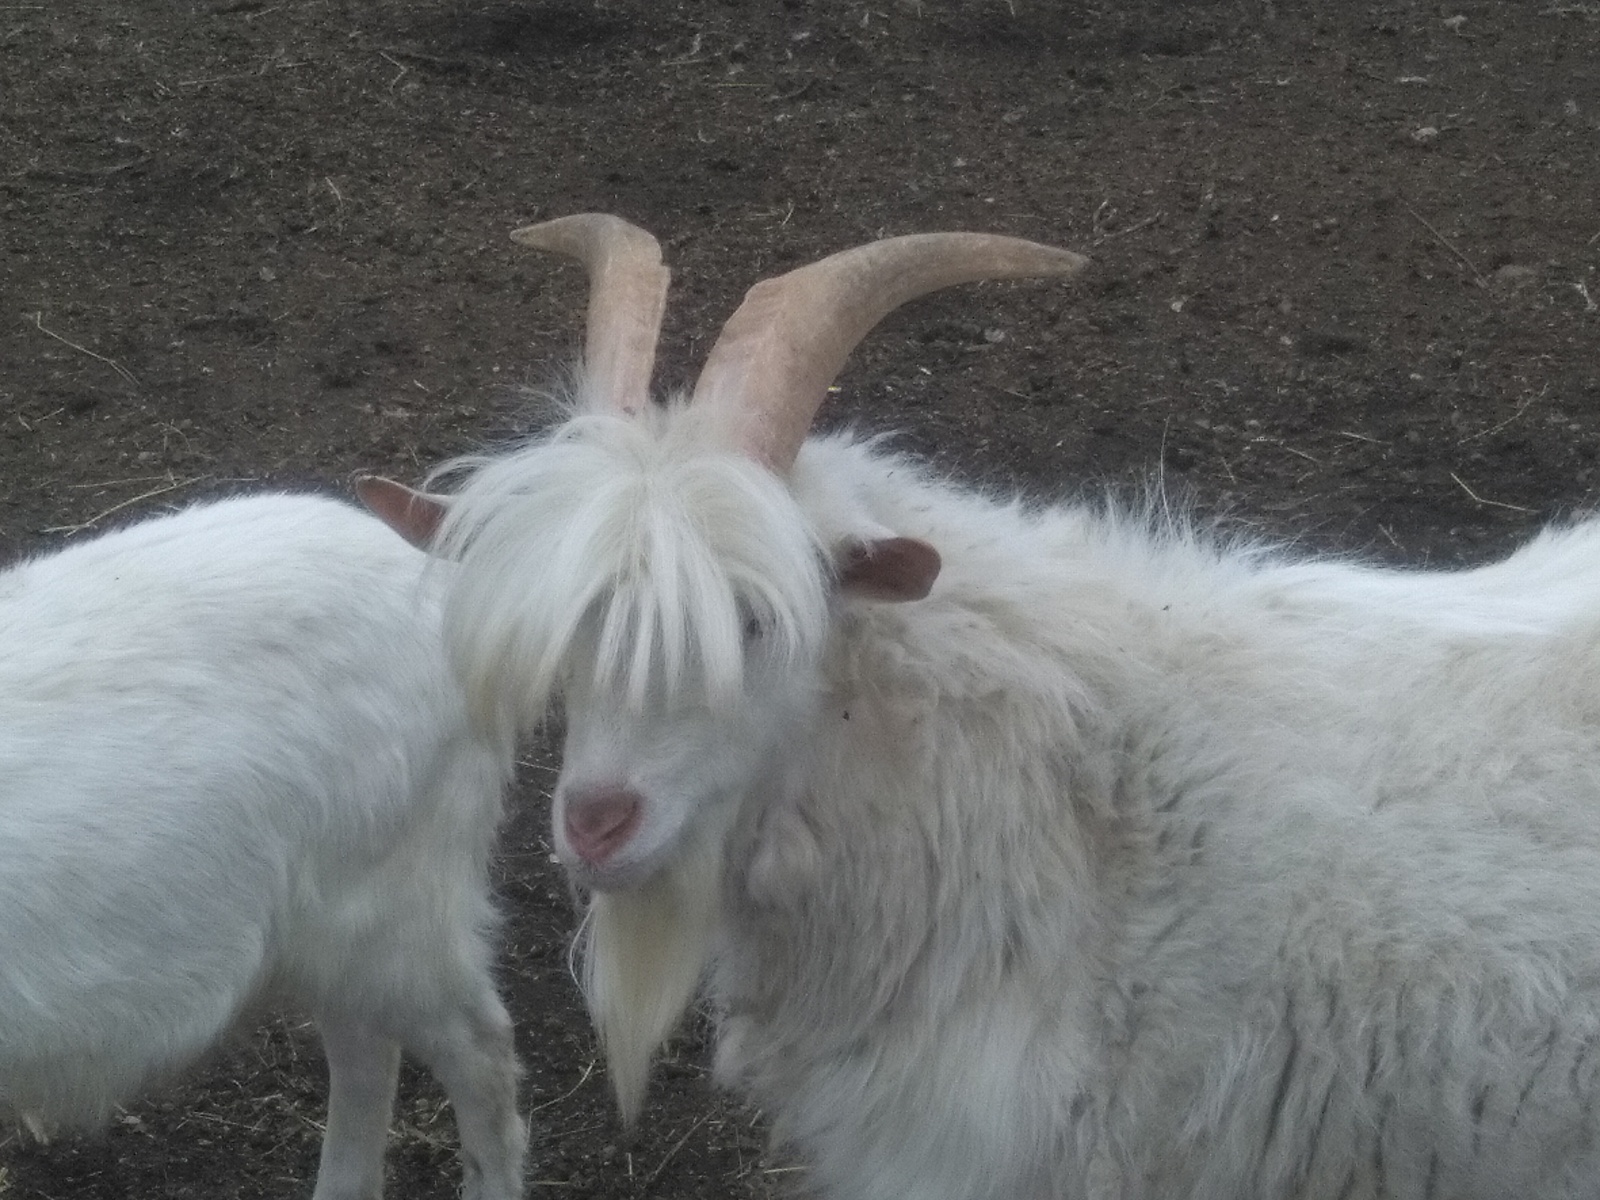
[234,765]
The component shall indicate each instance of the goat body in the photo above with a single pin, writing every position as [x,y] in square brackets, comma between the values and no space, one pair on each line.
[1036,852]
[234,765]
[1128,863]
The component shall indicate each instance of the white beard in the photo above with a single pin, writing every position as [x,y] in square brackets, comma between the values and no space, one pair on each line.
[644,953]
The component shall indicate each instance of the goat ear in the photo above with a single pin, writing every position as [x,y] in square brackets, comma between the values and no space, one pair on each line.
[895,569]
[415,516]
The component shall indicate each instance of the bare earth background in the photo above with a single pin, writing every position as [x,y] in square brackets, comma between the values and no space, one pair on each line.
[1345,290]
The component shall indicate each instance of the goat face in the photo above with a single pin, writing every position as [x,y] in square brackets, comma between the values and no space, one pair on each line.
[640,780]
[662,752]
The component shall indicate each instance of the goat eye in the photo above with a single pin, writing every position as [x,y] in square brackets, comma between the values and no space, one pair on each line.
[750,621]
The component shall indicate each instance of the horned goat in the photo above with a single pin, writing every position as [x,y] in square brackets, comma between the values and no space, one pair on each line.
[1037,851]
[234,764]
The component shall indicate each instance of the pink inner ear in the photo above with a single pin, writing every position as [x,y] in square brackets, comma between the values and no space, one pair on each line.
[895,569]
[414,515]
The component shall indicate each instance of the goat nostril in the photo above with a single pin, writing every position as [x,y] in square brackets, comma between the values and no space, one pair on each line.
[600,822]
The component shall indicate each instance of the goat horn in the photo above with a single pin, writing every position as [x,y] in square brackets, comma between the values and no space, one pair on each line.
[770,369]
[627,299]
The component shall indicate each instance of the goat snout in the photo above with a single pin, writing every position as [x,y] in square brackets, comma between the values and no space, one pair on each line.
[600,820]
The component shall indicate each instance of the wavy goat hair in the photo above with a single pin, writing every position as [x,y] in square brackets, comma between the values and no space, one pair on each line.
[1038,851]
[235,766]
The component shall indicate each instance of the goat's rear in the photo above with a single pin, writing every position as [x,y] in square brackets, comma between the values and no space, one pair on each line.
[234,765]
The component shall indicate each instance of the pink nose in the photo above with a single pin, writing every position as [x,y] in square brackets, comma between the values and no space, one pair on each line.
[600,820]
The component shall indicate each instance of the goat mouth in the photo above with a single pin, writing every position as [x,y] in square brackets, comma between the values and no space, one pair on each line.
[624,876]
[598,850]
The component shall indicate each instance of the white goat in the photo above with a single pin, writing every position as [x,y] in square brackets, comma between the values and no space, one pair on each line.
[234,764]
[1042,852]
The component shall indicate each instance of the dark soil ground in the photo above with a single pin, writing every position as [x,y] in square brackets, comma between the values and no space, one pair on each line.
[1345,290]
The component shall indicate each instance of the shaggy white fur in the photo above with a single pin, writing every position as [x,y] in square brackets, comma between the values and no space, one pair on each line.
[234,765]
[1127,864]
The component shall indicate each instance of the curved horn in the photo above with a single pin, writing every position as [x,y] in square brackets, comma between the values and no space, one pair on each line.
[770,369]
[627,298]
